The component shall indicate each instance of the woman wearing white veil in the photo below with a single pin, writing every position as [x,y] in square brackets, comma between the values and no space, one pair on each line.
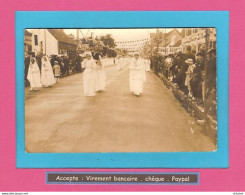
[33,75]
[147,64]
[89,75]
[47,74]
[100,74]
[137,74]
[119,63]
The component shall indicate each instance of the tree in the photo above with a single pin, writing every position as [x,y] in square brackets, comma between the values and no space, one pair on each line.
[84,41]
[114,53]
[157,40]
[104,51]
[108,41]
[90,43]
[71,36]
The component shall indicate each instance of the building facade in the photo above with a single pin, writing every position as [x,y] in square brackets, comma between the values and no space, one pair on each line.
[166,43]
[196,38]
[52,42]
[27,42]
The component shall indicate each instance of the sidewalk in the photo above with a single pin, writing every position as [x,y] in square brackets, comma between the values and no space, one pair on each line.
[191,106]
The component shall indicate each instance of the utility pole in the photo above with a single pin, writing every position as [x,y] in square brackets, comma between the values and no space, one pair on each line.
[205,77]
[165,40]
[45,42]
[77,34]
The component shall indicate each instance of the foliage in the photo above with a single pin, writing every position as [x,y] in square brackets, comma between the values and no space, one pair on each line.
[71,36]
[108,41]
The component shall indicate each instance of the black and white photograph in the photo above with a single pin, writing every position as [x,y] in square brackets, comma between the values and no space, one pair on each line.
[120,90]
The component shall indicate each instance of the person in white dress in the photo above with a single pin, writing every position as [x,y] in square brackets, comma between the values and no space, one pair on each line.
[47,74]
[189,74]
[120,63]
[136,75]
[33,75]
[100,75]
[147,64]
[89,75]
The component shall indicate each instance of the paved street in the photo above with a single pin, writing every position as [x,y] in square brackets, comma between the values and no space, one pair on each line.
[61,119]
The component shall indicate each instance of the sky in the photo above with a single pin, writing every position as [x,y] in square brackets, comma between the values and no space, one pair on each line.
[117,34]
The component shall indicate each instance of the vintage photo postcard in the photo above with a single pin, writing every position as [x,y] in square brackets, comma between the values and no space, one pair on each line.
[120,90]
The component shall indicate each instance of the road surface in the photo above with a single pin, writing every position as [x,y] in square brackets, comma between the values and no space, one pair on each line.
[60,119]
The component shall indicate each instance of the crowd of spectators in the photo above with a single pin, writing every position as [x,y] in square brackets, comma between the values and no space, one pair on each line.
[194,73]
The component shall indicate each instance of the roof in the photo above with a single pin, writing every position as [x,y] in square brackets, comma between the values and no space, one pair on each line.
[61,36]
[170,32]
[167,36]
[27,33]
[177,44]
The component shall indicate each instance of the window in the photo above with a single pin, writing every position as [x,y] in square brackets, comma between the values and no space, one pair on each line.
[195,30]
[36,39]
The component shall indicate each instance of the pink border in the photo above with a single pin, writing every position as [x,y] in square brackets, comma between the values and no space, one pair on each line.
[12,179]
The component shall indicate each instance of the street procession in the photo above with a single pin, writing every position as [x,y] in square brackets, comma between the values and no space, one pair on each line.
[120,90]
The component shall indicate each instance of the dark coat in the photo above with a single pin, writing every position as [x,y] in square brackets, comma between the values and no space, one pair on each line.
[190,55]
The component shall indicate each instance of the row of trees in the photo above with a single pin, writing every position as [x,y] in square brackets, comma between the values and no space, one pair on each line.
[104,45]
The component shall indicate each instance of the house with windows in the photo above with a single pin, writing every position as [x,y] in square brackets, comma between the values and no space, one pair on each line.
[27,41]
[52,42]
[173,48]
[196,38]
[166,43]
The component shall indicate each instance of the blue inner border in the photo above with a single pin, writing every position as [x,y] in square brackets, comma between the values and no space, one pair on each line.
[135,19]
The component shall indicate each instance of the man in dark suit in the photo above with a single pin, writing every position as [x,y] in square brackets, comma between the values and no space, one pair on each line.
[181,69]
[196,80]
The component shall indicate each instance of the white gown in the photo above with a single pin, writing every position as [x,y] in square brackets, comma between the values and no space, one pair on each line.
[120,63]
[47,74]
[89,77]
[33,75]
[100,76]
[137,76]
[148,63]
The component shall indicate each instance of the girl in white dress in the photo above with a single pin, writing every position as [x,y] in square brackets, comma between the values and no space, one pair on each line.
[189,74]
[33,75]
[137,74]
[100,75]
[148,64]
[89,75]
[47,74]
[119,63]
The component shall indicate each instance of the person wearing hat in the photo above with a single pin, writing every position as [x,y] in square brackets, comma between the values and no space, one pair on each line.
[33,75]
[89,75]
[196,80]
[136,75]
[189,73]
[47,74]
[181,67]
[56,69]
